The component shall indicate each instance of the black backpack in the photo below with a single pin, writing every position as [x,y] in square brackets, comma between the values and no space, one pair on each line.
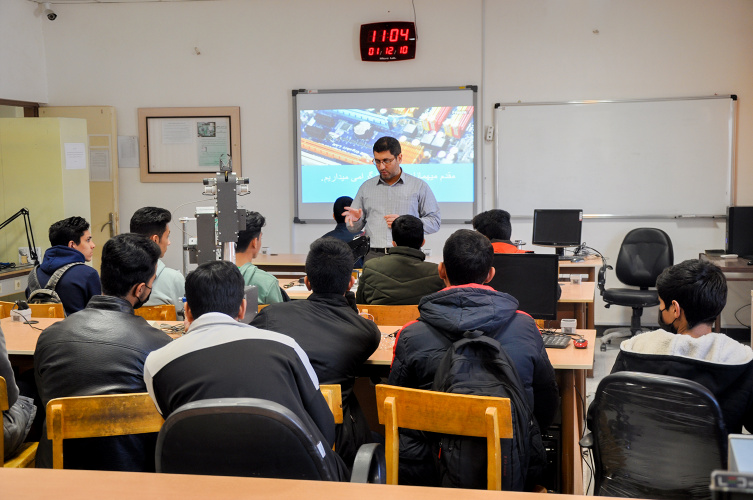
[46,295]
[479,365]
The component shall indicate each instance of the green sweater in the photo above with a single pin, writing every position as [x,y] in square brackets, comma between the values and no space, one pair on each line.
[267,284]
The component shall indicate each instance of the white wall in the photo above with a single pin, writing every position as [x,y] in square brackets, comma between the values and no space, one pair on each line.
[254,52]
[23,75]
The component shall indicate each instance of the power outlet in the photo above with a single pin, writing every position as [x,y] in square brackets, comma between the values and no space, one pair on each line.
[17,284]
[489,133]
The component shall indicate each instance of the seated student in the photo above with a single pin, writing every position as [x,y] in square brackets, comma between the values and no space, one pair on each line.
[101,350]
[18,418]
[220,357]
[169,285]
[402,276]
[247,248]
[466,305]
[691,295]
[71,243]
[341,231]
[328,328]
[495,225]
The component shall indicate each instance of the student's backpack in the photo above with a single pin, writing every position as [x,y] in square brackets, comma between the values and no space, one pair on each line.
[479,365]
[46,294]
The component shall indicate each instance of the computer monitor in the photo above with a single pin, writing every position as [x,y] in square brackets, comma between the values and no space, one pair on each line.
[559,228]
[530,278]
[252,303]
[740,231]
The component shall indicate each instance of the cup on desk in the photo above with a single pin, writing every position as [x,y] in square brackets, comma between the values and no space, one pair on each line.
[575,279]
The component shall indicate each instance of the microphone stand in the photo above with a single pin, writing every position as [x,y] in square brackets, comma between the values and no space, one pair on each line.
[29,233]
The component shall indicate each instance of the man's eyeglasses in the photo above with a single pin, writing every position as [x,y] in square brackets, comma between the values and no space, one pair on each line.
[386,162]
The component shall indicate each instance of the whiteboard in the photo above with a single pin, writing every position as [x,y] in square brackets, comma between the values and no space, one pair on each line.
[659,157]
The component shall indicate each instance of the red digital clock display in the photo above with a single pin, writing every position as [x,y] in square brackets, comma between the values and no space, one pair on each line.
[394,41]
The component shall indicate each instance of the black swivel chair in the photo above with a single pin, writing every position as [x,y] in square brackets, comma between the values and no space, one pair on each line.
[644,254]
[254,438]
[654,436]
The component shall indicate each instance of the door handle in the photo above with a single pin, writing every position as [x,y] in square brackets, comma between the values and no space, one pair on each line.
[110,223]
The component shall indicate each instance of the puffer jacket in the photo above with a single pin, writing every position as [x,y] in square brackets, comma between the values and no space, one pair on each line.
[445,316]
[99,350]
[400,278]
[719,363]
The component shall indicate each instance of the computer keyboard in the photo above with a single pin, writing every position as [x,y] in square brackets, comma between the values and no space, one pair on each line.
[555,341]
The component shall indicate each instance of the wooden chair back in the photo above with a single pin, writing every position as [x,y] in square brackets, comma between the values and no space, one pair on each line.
[445,413]
[26,454]
[37,310]
[99,416]
[162,312]
[390,315]
[333,395]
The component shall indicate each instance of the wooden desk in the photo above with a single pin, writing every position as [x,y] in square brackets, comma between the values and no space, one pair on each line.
[734,270]
[577,301]
[283,265]
[28,484]
[571,365]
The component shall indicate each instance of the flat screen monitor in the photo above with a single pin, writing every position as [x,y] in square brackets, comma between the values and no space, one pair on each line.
[530,278]
[559,228]
[740,231]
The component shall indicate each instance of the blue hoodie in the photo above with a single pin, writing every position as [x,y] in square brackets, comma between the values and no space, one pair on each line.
[77,285]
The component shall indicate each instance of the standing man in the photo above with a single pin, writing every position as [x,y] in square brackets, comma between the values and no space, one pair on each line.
[169,285]
[72,246]
[383,199]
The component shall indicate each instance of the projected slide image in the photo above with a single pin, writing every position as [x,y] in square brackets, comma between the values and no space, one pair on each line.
[336,149]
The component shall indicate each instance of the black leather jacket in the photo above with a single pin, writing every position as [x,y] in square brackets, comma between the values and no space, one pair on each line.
[99,350]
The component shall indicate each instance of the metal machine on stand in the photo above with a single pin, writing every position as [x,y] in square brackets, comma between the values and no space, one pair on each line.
[217,227]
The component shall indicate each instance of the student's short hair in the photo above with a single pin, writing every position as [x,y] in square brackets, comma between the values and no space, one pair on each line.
[408,231]
[494,224]
[339,208]
[64,231]
[698,286]
[329,265]
[388,143]
[467,257]
[215,286]
[150,221]
[128,259]
[254,222]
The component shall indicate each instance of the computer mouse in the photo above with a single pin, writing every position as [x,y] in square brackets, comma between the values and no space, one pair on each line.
[750,262]
[580,343]
[577,259]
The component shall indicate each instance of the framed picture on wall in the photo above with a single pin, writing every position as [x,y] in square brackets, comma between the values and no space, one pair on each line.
[187,144]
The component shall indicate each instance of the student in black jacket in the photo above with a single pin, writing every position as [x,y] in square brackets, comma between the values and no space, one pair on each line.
[328,328]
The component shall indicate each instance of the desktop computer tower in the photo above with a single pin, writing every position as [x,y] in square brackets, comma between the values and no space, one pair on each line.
[552,440]
[740,231]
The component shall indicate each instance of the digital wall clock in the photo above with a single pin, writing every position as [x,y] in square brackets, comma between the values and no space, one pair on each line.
[391,41]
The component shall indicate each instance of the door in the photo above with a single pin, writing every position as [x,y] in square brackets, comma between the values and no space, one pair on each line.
[103,162]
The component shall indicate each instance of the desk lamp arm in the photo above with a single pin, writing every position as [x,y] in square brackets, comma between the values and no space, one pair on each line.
[29,233]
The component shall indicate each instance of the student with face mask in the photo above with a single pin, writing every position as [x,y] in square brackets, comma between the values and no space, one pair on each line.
[691,295]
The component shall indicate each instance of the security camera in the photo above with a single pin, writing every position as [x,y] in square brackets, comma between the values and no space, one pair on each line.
[49,12]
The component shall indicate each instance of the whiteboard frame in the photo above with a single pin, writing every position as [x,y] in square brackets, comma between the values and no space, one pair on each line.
[731,173]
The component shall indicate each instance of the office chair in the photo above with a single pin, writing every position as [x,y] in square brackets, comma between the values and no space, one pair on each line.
[253,438]
[644,254]
[654,436]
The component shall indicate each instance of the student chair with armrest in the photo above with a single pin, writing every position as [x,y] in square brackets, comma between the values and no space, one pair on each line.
[445,413]
[644,254]
[162,312]
[654,436]
[385,315]
[24,456]
[253,438]
[99,416]
[37,310]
